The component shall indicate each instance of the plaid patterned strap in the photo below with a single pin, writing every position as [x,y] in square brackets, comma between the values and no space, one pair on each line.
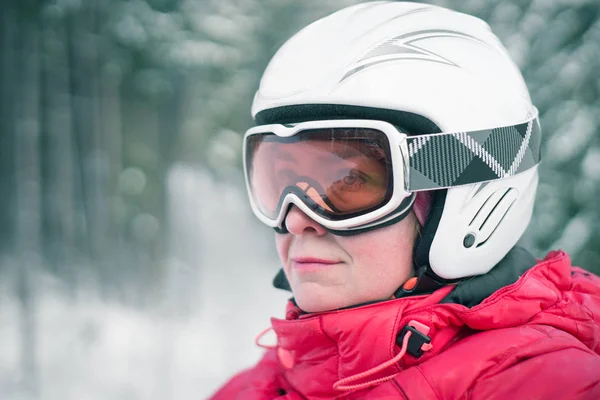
[452,159]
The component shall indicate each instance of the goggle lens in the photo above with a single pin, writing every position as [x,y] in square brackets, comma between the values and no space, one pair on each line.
[339,172]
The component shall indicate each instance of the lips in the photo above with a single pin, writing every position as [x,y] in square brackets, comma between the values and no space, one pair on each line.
[312,260]
[311,264]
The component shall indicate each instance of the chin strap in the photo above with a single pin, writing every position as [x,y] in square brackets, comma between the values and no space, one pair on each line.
[425,281]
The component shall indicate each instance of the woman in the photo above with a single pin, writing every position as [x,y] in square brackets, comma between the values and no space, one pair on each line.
[396,157]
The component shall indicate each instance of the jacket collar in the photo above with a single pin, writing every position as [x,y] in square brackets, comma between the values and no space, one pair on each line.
[316,350]
[322,348]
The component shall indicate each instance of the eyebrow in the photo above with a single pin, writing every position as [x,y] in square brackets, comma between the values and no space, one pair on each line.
[348,152]
[345,153]
[284,156]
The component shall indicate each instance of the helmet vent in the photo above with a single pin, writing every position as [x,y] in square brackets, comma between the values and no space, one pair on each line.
[489,216]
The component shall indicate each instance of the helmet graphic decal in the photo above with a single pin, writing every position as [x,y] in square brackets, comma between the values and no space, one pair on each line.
[403,48]
[402,14]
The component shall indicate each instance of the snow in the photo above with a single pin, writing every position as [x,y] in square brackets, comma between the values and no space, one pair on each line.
[217,298]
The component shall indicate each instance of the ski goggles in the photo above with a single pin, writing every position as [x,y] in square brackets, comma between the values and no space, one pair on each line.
[350,175]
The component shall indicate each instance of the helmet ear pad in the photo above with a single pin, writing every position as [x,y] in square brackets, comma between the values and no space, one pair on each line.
[427,234]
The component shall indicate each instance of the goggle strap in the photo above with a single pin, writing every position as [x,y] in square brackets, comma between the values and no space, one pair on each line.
[445,160]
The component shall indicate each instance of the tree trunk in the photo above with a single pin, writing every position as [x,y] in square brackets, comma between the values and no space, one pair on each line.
[27,166]
[59,208]
[8,87]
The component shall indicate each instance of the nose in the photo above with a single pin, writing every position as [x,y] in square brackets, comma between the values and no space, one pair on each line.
[298,223]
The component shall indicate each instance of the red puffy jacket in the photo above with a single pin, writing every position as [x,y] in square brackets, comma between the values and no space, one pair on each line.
[538,338]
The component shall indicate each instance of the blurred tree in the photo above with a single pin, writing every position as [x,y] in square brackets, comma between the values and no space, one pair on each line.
[21,175]
[99,98]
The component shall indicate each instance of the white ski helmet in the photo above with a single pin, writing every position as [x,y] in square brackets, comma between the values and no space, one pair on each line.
[425,69]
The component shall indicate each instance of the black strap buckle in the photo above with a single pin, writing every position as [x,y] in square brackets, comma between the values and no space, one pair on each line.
[415,342]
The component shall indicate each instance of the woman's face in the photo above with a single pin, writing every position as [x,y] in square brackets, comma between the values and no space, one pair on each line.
[327,272]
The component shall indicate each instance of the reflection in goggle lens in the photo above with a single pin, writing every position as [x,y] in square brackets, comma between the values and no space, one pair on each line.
[339,173]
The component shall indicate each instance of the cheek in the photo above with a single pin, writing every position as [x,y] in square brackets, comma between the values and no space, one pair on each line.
[382,252]
[385,249]
[282,244]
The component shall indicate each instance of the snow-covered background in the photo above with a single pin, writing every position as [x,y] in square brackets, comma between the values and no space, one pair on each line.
[217,299]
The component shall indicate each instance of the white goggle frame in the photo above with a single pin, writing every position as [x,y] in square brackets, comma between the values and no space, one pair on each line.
[399,162]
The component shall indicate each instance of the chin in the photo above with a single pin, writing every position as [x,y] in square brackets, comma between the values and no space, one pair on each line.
[314,304]
[315,308]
